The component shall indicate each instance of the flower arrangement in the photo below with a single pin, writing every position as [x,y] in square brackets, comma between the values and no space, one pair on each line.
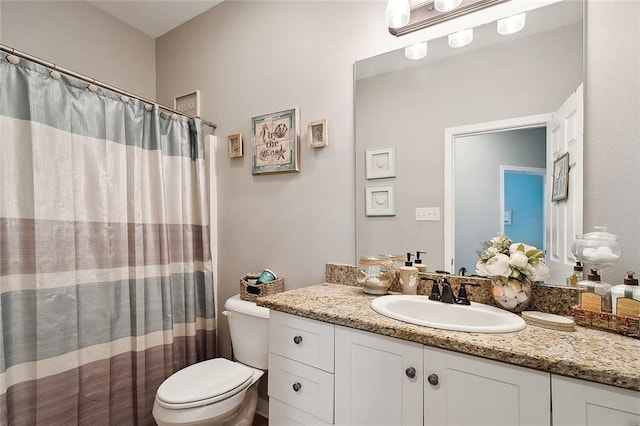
[501,257]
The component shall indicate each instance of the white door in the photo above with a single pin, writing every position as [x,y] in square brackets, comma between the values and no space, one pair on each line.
[378,380]
[564,217]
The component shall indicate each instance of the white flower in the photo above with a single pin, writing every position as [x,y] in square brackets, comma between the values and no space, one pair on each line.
[518,259]
[539,271]
[481,268]
[498,265]
[492,250]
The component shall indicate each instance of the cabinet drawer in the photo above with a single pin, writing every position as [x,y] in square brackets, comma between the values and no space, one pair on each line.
[300,339]
[282,414]
[306,388]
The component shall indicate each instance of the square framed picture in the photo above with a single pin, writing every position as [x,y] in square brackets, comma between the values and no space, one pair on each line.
[275,142]
[188,104]
[380,200]
[560,188]
[317,136]
[380,163]
[234,145]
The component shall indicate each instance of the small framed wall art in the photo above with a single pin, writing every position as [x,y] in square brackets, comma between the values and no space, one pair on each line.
[560,188]
[380,163]
[317,136]
[234,145]
[380,201]
[275,142]
[188,104]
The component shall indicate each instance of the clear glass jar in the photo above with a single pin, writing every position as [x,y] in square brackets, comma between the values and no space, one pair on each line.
[598,247]
[374,274]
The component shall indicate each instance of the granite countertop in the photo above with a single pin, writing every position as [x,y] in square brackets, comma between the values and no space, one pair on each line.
[587,354]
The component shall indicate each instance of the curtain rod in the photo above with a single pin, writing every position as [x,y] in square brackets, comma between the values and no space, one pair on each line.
[82,77]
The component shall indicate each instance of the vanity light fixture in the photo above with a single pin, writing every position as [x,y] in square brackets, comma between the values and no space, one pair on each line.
[446,5]
[511,25]
[426,14]
[461,38]
[397,13]
[416,51]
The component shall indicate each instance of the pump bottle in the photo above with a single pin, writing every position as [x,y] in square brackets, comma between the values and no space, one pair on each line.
[630,290]
[418,262]
[409,276]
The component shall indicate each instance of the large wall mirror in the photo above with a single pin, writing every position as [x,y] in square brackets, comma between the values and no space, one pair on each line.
[459,125]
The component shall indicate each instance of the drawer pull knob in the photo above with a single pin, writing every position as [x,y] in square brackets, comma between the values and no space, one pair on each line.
[410,372]
[433,379]
[297,340]
[297,386]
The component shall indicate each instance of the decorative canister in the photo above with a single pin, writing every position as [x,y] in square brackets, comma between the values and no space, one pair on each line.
[374,274]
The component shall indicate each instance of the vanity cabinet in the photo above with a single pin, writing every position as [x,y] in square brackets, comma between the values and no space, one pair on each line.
[301,370]
[379,380]
[466,390]
[578,402]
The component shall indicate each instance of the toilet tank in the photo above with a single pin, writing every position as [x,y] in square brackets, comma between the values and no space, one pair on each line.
[249,329]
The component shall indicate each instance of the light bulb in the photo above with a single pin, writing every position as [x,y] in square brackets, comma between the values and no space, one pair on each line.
[446,5]
[461,38]
[511,25]
[416,51]
[397,13]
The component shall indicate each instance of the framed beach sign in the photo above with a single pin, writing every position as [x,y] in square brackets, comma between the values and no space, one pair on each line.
[275,142]
[560,188]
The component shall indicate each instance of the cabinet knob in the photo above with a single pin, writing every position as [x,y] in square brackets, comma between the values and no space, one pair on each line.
[433,379]
[410,372]
[297,340]
[297,386]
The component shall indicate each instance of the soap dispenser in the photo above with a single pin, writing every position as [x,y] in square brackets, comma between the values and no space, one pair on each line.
[409,276]
[418,262]
[629,290]
[593,284]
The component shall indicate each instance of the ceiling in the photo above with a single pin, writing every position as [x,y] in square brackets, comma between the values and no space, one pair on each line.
[154,17]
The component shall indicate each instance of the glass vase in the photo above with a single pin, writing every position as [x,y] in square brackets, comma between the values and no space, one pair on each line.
[514,295]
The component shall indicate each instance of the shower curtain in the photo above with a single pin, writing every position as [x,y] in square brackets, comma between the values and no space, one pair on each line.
[106,281]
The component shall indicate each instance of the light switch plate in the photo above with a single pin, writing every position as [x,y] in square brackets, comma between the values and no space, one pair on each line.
[427,214]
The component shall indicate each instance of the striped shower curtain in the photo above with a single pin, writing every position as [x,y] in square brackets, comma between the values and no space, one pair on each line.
[106,282]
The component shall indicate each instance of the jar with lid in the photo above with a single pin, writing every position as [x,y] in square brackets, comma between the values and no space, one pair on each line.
[598,247]
[375,273]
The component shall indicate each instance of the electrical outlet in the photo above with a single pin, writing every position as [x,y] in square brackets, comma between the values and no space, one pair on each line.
[427,214]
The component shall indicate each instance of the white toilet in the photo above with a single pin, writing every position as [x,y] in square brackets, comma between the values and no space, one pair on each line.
[219,391]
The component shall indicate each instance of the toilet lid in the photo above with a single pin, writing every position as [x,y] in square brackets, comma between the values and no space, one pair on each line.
[207,382]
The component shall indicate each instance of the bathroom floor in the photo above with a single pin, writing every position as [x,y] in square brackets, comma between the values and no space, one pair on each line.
[258,420]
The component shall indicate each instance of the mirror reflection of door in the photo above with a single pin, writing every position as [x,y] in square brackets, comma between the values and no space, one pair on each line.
[478,162]
[523,201]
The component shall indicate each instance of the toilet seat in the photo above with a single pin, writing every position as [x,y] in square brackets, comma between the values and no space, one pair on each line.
[204,383]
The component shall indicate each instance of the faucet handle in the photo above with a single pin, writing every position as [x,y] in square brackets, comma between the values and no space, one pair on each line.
[435,290]
[447,292]
[462,298]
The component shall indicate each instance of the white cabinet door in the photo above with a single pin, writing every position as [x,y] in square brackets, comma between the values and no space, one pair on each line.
[466,390]
[378,379]
[578,402]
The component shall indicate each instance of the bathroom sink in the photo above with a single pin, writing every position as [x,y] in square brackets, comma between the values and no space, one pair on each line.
[475,318]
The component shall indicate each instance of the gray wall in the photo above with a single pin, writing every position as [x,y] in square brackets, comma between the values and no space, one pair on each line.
[84,39]
[477,184]
[612,127]
[253,58]
[410,109]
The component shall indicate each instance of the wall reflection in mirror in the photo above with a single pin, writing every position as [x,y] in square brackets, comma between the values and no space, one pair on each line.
[413,105]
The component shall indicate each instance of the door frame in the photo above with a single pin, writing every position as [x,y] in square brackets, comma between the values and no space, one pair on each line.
[450,135]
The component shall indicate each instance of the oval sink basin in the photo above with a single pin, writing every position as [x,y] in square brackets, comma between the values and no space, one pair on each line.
[475,318]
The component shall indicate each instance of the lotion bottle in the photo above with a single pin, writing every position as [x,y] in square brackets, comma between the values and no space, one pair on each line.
[418,263]
[630,290]
[409,276]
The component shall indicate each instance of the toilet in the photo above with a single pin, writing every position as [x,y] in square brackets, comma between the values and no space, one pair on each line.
[219,391]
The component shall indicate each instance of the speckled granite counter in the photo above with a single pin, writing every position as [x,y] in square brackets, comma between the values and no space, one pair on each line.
[585,354]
